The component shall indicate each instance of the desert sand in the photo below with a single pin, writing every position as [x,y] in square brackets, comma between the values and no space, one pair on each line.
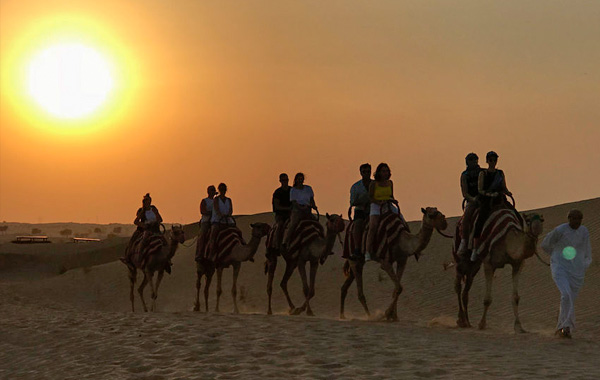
[65,314]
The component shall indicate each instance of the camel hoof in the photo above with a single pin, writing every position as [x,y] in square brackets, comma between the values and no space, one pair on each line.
[462,324]
[482,326]
[269,312]
[342,316]
[520,330]
[310,313]
[197,308]
[296,311]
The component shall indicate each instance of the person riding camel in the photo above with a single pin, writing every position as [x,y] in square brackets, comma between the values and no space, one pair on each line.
[221,217]
[469,185]
[492,190]
[381,193]
[282,207]
[206,209]
[361,201]
[302,199]
[148,221]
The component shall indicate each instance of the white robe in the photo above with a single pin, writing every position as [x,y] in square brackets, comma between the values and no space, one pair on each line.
[568,274]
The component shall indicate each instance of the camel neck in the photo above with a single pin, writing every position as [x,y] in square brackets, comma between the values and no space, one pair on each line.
[424,236]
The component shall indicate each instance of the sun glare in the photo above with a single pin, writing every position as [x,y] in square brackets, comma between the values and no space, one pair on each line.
[69,80]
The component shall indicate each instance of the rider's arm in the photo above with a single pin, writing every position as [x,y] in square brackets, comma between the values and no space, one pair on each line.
[372,193]
[392,187]
[159,218]
[138,218]
[231,208]
[464,188]
[504,186]
[203,209]
[313,205]
[480,183]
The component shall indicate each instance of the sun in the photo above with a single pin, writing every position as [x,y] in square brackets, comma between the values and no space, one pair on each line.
[69,80]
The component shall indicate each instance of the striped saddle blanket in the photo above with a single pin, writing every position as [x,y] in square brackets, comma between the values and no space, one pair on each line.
[390,228]
[307,231]
[498,224]
[225,241]
[154,245]
[271,242]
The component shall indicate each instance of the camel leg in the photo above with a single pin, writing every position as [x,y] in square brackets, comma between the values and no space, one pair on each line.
[155,291]
[345,288]
[209,275]
[289,269]
[391,312]
[236,272]
[359,286]
[219,289]
[132,279]
[314,267]
[198,286]
[305,288]
[516,271]
[487,301]
[460,322]
[141,291]
[271,266]
[465,298]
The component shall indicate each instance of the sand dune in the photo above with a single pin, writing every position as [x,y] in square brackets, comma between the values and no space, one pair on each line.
[78,324]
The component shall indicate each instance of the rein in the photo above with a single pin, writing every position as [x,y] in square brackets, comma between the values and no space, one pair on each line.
[444,235]
[540,259]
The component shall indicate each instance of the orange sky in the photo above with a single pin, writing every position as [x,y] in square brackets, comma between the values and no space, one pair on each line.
[237,92]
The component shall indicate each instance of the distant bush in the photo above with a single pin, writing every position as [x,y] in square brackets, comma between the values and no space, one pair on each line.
[36,231]
[66,232]
[3,228]
[97,230]
[117,230]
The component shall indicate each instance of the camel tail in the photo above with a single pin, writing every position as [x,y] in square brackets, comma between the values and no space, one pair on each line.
[346,268]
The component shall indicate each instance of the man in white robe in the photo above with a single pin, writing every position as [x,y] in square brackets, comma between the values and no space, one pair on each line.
[571,254]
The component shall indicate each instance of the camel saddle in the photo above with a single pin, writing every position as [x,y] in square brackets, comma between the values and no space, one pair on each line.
[498,224]
[306,232]
[225,241]
[137,257]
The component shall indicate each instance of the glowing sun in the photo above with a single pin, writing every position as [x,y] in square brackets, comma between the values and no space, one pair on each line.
[69,81]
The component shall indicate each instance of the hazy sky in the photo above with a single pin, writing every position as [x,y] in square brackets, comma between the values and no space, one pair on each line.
[239,91]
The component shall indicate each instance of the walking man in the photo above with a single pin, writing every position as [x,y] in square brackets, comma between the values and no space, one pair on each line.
[571,254]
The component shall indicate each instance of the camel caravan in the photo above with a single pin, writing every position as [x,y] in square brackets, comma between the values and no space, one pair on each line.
[489,233]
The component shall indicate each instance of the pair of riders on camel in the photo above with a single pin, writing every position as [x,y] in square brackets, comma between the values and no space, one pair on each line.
[217,214]
[291,205]
[484,190]
[371,198]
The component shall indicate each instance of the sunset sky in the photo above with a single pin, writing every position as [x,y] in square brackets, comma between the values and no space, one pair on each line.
[239,91]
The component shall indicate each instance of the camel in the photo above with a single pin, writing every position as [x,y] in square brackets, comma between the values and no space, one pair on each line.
[315,252]
[158,258]
[238,254]
[514,248]
[404,246]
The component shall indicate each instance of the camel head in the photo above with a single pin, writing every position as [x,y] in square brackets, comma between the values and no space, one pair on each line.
[335,223]
[535,223]
[177,233]
[260,229]
[434,218]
